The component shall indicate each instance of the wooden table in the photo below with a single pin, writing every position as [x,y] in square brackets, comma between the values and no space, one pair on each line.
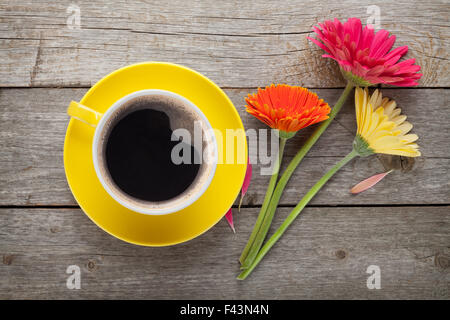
[402,225]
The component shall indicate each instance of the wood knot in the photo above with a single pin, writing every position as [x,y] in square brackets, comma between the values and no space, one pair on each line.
[341,254]
[441,261]
[7,259]
[91,265]
[54,229]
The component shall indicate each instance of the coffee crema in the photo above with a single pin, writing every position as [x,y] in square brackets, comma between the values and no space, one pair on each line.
[135,152]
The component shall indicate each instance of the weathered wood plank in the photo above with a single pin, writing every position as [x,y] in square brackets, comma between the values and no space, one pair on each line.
[325,254]
[33,124]
[235,43]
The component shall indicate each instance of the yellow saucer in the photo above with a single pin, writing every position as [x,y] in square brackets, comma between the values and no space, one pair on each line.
[127,225]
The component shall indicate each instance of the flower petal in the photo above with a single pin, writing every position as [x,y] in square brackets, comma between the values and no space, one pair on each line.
[229,217]
[367,57]
[369,182]
[384,130]
[287,108]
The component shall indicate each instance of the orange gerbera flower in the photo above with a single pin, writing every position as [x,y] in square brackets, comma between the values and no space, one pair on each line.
[287,108]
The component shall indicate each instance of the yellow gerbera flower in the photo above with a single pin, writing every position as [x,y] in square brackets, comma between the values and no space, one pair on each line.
[381,127]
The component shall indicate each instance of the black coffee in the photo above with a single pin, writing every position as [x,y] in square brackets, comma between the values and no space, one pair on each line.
[138,157]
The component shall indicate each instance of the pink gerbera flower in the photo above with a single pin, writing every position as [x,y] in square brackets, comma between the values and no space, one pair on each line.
[364,56]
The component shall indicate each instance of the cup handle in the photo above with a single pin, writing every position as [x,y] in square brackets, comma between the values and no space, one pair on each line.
[84,114]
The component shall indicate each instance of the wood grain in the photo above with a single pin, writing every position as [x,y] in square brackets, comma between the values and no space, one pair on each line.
[325,254]
[34,121]
[402,225]
[235,43]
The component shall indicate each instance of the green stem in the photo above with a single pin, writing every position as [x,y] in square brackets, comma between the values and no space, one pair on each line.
[269,191]
[295,212]
[275,198]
